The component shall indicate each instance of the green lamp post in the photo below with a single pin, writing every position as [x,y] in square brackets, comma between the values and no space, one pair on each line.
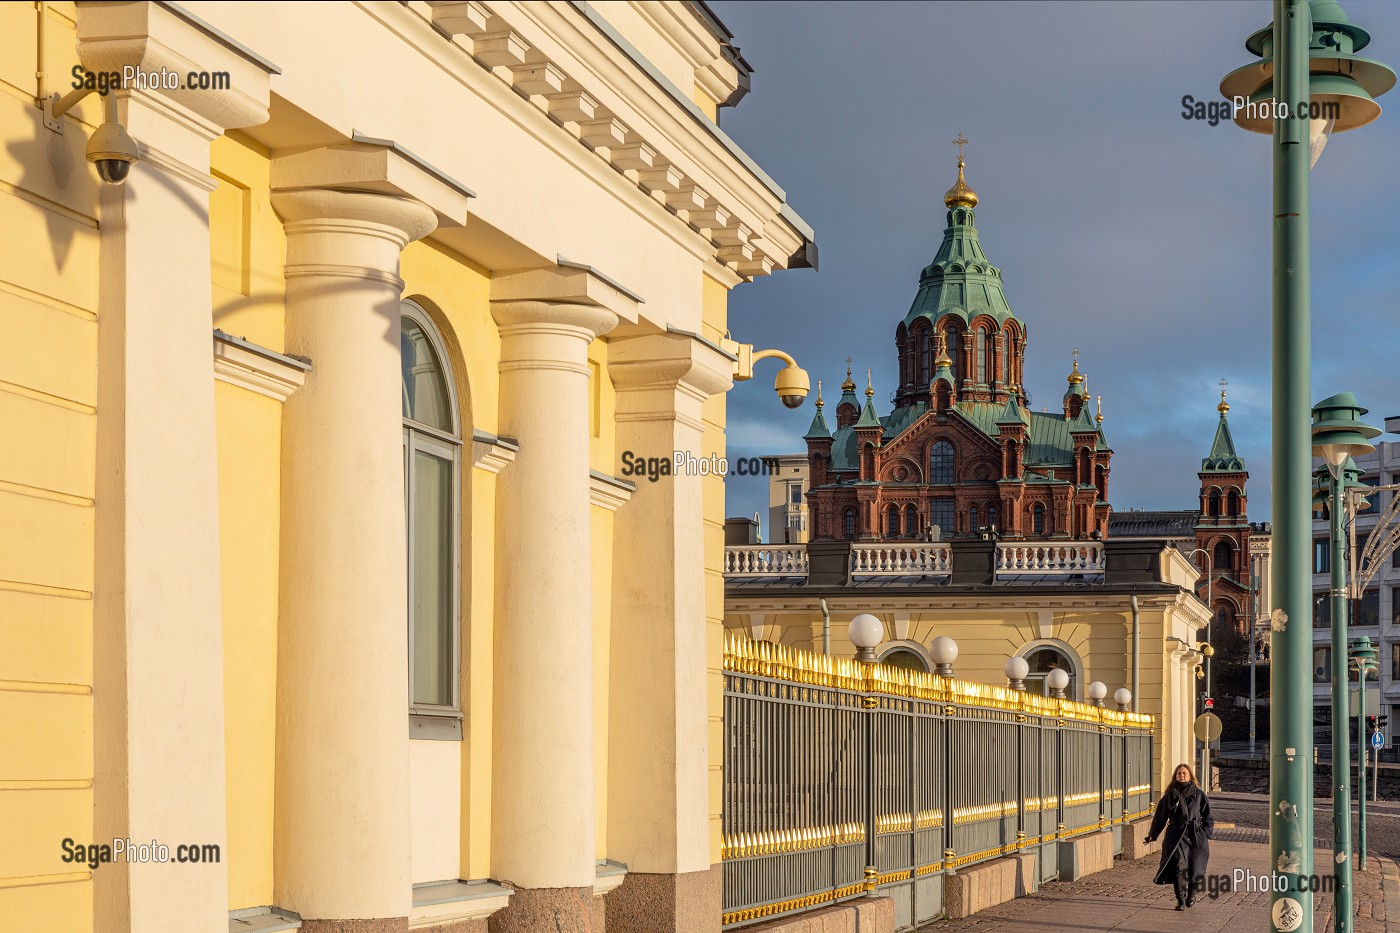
[1338,435]
[1312,48]
[1363,658]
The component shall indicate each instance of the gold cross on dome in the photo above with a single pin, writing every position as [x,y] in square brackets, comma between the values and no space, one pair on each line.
[1223,384]
[960,142]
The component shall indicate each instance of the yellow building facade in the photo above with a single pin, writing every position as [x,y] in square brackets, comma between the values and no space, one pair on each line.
[314,557]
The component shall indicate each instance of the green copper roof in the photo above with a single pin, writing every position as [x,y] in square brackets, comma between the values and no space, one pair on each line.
[901,418]
[1084,423]
[960,280]
[1223,458]
[1012,413]
[818,430]
[868,418]
[843,450]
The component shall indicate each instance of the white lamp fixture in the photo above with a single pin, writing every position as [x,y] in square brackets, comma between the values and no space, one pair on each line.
[1057,680]
[1123,697]
[866,632]
[1097,691]
[1016,670]
[944,652]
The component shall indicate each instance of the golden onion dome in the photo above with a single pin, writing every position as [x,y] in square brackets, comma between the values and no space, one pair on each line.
[960,195]
[1224,406]
[1075,376]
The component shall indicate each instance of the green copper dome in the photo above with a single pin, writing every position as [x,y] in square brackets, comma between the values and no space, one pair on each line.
[960,280]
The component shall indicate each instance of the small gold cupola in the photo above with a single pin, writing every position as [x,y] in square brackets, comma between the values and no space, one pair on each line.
[960,195]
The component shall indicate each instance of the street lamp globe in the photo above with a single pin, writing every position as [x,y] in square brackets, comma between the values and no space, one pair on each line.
[866,632]
[1097,691]
[944,652]
[1016,670]
[1123,697]
[1057,680]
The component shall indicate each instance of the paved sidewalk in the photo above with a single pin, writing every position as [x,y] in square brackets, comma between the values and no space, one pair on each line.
[1125,900]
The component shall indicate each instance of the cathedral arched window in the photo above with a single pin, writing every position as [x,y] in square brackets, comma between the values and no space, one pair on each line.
[911,521]
[1038,519]
[1234,503]
[925,356]
[984,355]
[892,522]
[972,520]
[991,516]
[850,523]
[1223,558]
[940,464]
[1008,353]
[1214,503]
[432,461]
[953,347]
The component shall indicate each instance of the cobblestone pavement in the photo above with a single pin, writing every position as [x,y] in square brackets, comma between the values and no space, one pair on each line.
[1382,820]
[1125,900]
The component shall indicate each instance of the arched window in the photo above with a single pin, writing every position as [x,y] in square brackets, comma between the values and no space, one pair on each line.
[984,355]
[432,443]
[940,464]
[850,523]
[911,521]
[953,347]
[1041,662]
[892,522]
[1223,559]
[972,520]
[1008,353]
[991,516]
[1233,501]
[903,657]
[925,356]
[1215,503]
[1038,519]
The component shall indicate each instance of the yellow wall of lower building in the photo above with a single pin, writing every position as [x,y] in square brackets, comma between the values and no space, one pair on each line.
[715,323]
[48,393]
[249,449]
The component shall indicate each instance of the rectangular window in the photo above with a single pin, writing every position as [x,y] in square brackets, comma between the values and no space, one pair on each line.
[1394,662]
[1322,610]
[795,494]
[431,585]
[1322,555]
[1374,499]
[1395,608]
[1367,609]
[1322,665]
[940,513]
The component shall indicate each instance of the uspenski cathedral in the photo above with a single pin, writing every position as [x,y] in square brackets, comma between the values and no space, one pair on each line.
[961,453]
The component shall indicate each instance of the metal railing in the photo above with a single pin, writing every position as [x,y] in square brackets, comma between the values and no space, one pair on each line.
[842,778]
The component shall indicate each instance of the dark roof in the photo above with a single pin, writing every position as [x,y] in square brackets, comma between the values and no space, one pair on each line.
[1153,524]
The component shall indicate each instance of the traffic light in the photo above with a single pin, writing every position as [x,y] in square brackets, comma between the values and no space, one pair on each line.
[1209,702]
[1370,723]
[1381,722]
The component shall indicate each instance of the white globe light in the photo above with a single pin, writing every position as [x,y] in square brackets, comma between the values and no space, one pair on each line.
[866,631]
[1122,696]
[943,650]
[1057,679]
[1097,690]
[1016,669]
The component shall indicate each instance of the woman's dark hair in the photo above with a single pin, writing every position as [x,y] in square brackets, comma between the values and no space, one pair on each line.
[1188,771]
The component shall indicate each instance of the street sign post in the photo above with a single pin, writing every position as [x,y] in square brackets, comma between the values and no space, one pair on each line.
[1207,729]
[1377,740]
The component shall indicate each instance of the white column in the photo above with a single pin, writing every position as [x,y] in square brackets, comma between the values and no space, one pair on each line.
[158,678]
[543,819]
[342,854]
[658,791]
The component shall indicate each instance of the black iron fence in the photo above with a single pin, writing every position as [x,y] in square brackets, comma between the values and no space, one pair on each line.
[842,777]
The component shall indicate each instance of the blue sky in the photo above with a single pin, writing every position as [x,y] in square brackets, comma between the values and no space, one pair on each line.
[1120,228]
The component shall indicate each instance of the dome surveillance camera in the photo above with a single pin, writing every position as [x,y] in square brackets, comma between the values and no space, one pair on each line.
[791,386]
[112,150]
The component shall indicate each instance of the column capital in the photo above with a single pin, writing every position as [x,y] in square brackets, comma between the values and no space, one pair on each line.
[550,318]
[670,361]
[150,37]
[376,168]
[324,210]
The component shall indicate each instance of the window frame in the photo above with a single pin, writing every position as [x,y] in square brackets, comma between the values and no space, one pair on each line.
[950,469]
[430,720]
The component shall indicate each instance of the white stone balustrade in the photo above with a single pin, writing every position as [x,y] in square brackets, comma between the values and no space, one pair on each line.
[900,559]
[755,560]
[1050,558]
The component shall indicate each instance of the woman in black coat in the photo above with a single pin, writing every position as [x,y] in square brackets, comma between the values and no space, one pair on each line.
[1184,811]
